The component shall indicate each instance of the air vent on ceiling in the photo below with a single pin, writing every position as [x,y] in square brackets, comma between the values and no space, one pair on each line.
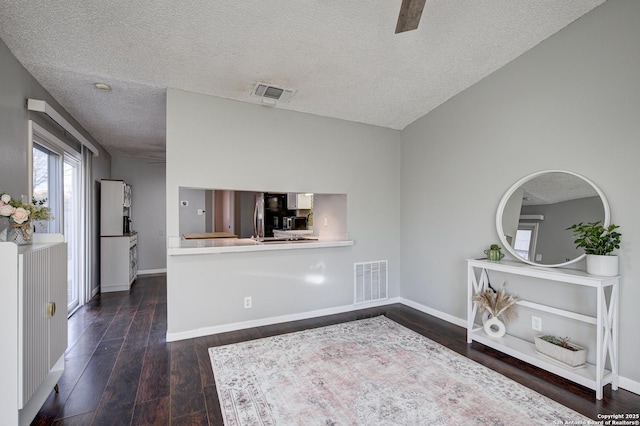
[270,93]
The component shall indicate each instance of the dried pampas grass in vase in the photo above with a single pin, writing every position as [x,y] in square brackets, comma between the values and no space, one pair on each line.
[497,303]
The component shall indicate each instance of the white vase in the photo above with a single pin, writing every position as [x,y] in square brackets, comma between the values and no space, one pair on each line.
[494,327]
[604,266]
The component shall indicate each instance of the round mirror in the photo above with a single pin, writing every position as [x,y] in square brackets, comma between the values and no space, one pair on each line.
[534,214]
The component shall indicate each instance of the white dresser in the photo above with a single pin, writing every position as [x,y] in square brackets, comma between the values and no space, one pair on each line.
[33,325]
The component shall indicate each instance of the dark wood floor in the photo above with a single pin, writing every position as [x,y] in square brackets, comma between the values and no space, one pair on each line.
[121,371]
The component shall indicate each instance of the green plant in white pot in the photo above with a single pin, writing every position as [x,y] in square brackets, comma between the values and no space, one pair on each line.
[598,242]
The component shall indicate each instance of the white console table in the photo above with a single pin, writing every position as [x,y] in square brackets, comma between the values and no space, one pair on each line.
[606,321]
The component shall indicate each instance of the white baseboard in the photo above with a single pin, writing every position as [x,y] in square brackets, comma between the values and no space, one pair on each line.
[152,271]
[206,331]
[630,385]
[433,312]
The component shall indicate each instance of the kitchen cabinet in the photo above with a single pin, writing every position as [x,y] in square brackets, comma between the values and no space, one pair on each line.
[115,206]
[297,201]
[33,324]
[119,262]
[605,320]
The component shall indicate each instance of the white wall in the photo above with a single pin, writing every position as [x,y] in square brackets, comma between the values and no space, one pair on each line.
[218,143]
[148,209]
[570,103]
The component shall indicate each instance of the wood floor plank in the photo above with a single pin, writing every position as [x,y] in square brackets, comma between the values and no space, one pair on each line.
[138,335]
[119,327]
[79,420]
[158,331]
[87,393]
[111,414]
[186,385]
[204,361]
[125,377]
[213,405]
[193,419]
[149,299]
[153,413]
[89,340]
[156,373]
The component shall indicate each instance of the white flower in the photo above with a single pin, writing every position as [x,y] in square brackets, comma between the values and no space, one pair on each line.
[20,215]
[5,198]
[7,210]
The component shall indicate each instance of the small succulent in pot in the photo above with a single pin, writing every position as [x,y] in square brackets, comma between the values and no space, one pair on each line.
[560,349]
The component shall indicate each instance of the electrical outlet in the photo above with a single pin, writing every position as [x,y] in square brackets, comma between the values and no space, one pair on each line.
[536,323]
[247,302]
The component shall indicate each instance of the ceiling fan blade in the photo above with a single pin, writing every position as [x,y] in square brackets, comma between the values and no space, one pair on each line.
[410,13]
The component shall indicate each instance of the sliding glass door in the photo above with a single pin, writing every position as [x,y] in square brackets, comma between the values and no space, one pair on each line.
[57,178]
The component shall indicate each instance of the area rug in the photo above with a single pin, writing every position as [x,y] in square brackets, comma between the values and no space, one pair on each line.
[369,372]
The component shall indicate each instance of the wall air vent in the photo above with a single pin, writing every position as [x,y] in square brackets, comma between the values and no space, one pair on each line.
[270,93]
[370,281]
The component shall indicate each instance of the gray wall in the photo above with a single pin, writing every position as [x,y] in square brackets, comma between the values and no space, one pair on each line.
[570,103]
[189,219]
[16,86]
[308,154]
[148,210]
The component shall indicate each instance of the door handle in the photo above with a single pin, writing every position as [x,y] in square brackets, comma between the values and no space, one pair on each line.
[51,309]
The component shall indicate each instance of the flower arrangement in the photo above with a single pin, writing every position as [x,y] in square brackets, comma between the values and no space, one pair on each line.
[20,213]
[497,303]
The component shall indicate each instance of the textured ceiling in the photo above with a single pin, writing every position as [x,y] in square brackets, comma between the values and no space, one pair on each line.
[341,56]
[551,188]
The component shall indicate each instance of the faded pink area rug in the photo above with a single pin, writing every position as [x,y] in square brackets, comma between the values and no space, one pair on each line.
[369,372]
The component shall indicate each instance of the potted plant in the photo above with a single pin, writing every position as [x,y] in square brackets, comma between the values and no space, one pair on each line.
[561,349]
[496,304]
[598,242]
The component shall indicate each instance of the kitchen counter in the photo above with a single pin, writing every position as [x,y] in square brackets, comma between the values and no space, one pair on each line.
[179,247]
